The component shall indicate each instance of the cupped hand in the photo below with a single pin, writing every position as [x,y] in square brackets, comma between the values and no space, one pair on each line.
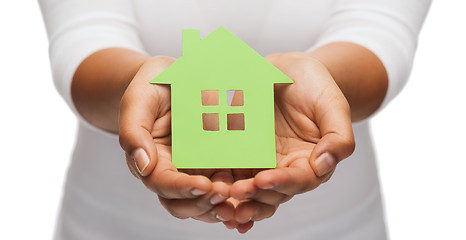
[145,135]
[313,133]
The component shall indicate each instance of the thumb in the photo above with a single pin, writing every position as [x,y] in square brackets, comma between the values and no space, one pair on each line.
[137,116]
[140,107]
[337,142]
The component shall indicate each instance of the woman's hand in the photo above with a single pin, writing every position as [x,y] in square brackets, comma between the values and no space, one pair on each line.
[313,133]
[145,135]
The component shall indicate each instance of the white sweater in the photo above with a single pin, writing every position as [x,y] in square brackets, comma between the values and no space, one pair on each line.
[102,200]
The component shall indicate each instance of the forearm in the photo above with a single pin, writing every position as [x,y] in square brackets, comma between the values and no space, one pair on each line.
[359,73]
[99,83]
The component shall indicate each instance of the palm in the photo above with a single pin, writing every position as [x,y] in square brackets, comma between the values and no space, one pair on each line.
[296,131]
[308,112]
[309,115]
[299,112]
[290,125]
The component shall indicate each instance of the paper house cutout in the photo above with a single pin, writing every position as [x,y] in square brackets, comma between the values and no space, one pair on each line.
[220,63]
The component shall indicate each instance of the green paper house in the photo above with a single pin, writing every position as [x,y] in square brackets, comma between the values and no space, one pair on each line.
[218,132]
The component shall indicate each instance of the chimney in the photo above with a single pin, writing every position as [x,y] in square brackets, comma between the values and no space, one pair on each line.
[190,38]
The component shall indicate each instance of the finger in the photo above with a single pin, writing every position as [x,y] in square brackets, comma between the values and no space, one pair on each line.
[223,175]
[185,208]
[199,209]
[294,179]
[333,118]
[247,190]
[245,227]
[252,210]
[223,212]
[200,206]
[243,189]
[140,106]
[232,224]
[270,197]
[222,179]
[221,192]
[171,184]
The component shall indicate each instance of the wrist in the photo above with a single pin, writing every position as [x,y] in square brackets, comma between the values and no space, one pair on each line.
[99,83]
[301,66]
[358,72]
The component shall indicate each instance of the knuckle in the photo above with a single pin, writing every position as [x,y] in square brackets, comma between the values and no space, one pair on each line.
[124,137]
[164,58]
[349,143]
[345,143]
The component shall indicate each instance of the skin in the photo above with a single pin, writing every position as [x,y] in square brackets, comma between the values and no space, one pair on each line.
[334,85]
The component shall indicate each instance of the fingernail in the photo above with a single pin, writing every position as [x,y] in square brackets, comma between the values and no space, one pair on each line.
[198,192]
[324,164]
[220,218]
[141,159]
[269,186]
[217,198]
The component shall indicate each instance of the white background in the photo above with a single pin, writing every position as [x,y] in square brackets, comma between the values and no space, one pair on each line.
[420,136]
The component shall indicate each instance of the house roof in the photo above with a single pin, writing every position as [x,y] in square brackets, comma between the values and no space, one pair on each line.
[219,53]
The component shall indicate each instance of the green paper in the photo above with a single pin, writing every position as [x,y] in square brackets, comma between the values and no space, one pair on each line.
[221,62]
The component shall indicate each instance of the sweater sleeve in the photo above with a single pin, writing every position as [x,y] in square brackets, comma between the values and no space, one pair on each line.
[78,28]
[388,28]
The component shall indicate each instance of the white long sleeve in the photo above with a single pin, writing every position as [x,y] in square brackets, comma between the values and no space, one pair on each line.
[78,28]
[388,28]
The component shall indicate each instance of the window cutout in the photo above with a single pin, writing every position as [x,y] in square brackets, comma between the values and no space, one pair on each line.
[235,98]
[209,97]
[235,121]
[210,121]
